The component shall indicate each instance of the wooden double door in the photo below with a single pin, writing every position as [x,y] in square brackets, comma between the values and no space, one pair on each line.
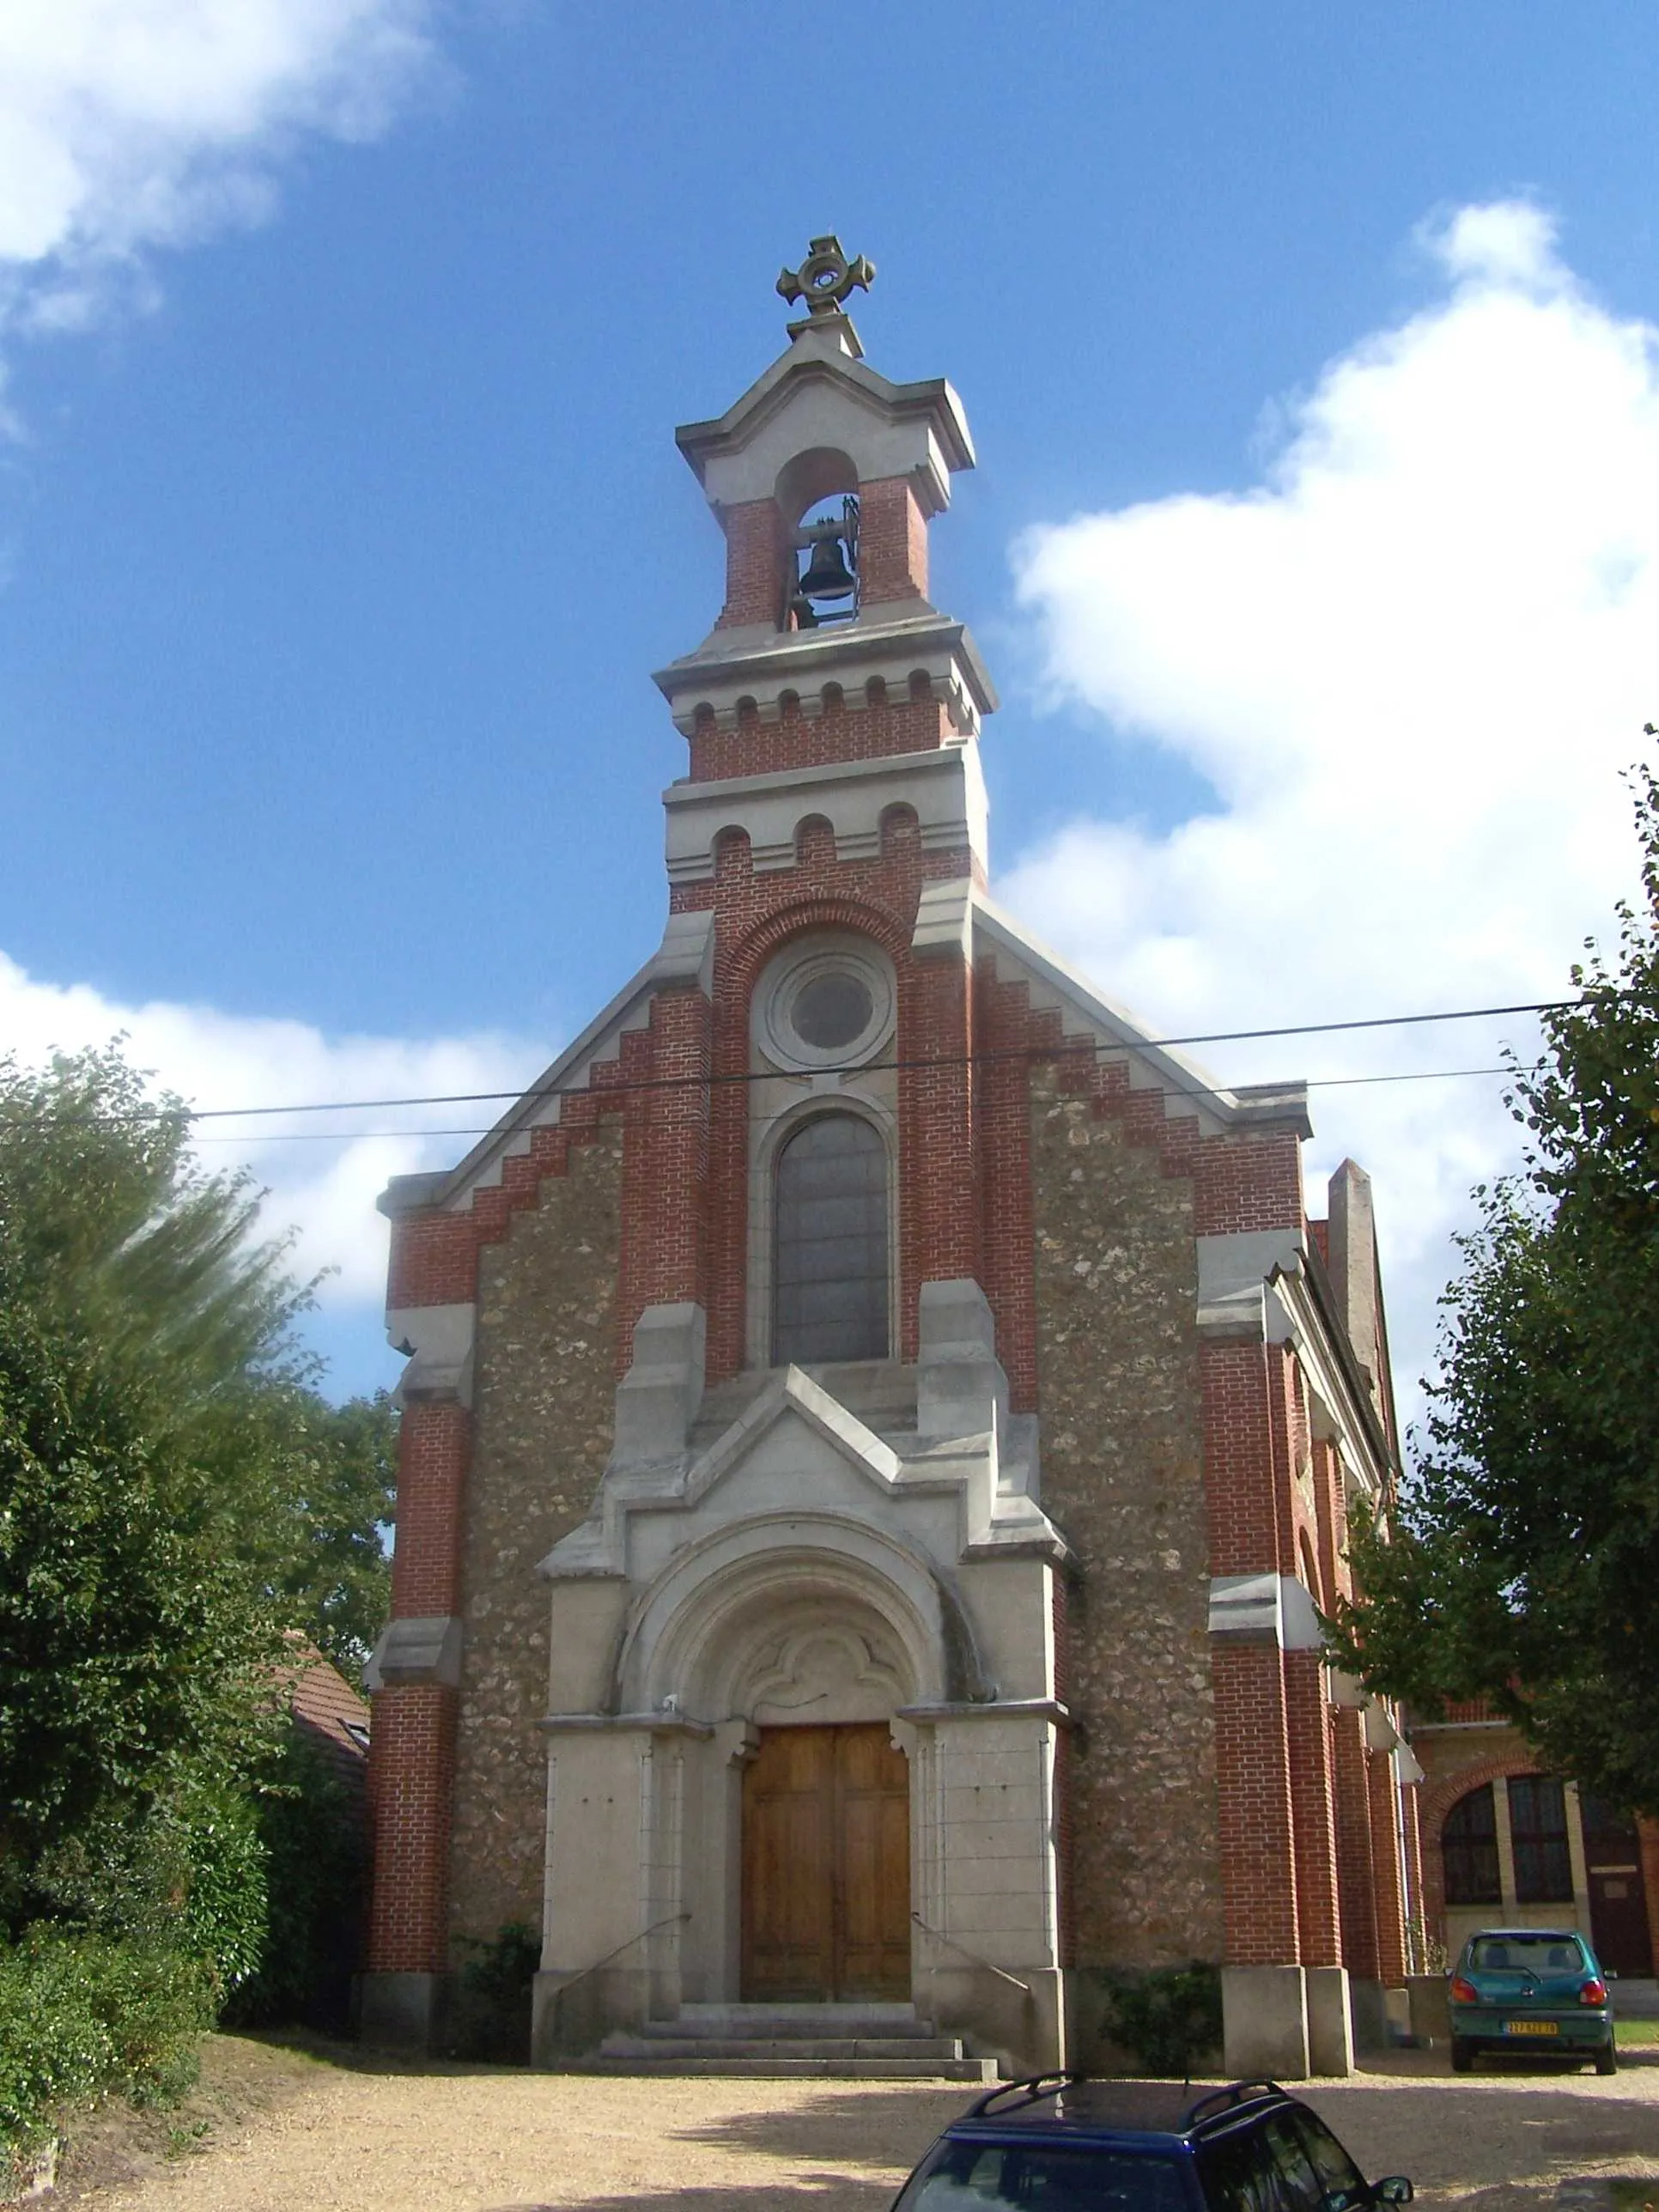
[826,1866]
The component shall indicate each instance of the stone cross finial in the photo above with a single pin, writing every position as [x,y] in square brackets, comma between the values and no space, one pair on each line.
[826,278]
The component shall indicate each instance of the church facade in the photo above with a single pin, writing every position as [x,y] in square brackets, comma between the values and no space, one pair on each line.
[878,1427]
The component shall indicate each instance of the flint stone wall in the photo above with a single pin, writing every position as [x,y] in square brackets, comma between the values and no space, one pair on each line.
[543,1402]
[1122,1475]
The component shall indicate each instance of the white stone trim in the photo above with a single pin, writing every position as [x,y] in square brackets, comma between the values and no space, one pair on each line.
[1269,1607]
[818,395]
[693,1626]
[802,961]
[437,1341]
[944,788]
[880,657]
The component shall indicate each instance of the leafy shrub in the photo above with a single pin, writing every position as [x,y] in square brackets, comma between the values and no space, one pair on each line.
[493,2002]
[315,1875]
[82,2016]
[1168,2019]
[183,1873]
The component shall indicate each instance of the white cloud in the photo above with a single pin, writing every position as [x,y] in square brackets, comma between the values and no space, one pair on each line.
[130,124]
[326,1189]
[1411,663]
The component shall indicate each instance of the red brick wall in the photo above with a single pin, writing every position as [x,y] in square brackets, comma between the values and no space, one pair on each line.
[892,541]
[433,1450]
[411,1769]
[1253,1783]
[1356,1874]
[758,548]
[1386,1870]
[1313,1810]
[875,724]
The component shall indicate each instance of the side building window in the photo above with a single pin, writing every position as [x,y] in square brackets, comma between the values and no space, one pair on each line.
[1469,1847]
[1538,1832]
[829,1276]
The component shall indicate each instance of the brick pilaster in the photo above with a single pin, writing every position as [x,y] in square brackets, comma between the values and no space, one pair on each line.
[666,1163]
[1356,1887]
[412,1764]
[938,1198]
[1385,1862]
[1003,1126]
[892,541]
[757,552]
[433,1451]
[412,1740]
[1253,1781]
[1240,1382]
[1647,1832]
[1313,1810]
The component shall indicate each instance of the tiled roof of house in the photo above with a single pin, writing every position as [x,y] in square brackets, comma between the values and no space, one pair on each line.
[328,1712]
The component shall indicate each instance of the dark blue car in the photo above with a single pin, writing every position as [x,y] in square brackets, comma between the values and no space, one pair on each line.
[1061,2144]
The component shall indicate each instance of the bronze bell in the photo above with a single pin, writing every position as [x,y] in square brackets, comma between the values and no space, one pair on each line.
[828,576]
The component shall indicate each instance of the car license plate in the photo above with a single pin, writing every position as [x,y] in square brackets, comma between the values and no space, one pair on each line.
[1531,2027]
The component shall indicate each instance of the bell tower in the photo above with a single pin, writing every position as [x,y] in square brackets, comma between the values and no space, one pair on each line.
[828,661]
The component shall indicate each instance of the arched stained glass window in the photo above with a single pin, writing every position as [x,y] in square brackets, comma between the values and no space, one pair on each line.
[830,1280]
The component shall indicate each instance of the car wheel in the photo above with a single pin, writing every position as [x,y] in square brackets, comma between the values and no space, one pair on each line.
[1606,2059]
[1463,2057]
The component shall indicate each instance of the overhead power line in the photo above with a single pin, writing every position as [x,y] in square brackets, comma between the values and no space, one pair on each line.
[1067,1048]
[367,1136]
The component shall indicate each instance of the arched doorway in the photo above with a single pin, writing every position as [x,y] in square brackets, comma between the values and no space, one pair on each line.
[809,1635]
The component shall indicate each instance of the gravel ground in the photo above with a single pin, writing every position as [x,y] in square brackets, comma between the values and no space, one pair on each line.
[340,2133]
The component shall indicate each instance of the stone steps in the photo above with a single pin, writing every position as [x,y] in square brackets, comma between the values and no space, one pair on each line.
[795,2068]
[1635,1998]
[947,2047]
[852,2042]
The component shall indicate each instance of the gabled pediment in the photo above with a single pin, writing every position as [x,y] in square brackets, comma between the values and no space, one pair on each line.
[793,1398]
[818,395]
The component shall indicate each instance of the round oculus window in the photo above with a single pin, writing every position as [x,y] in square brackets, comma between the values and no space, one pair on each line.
[831,1011]
[830,1006]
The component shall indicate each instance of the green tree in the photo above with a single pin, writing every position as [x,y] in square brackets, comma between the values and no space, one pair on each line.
[135,1654]
[173,1493]
[331,1474]
[119,1245]
[1522,1561]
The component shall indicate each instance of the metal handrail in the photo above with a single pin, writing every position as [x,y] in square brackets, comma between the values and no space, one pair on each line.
[669,1920]
[1002,1973]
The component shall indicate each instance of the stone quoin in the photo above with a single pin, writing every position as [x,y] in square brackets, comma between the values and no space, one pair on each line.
[878,1428]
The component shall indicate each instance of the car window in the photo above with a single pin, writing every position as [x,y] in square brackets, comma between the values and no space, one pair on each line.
[1525,1955]
[1340,2179]
[964,2177]
[1237,2173]
[1300,2188]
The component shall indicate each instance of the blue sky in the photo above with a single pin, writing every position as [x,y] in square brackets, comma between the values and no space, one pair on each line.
[1313,544]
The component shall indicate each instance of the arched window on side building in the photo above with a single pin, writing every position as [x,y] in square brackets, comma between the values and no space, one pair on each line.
[1538,1834]
[1468,1850]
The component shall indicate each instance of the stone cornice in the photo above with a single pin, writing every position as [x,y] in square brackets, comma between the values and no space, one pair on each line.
[735,671]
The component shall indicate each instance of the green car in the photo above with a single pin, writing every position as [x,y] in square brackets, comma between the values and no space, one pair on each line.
[1530,1990]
